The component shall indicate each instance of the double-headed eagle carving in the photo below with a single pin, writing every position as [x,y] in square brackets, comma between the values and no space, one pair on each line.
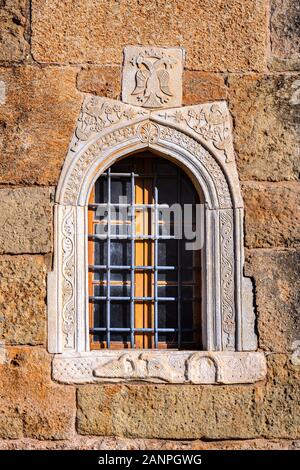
[152,79]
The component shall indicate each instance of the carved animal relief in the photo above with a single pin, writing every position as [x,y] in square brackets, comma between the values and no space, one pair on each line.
[152,77]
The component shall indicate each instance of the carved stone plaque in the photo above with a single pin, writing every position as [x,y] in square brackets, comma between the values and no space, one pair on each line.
[152,76]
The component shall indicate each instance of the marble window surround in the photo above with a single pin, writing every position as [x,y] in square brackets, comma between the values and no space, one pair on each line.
[198,138]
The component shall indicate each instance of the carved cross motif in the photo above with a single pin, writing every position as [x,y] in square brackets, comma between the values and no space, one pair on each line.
[152,76]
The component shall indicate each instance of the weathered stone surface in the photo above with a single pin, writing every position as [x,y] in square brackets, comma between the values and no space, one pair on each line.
[177,412]
[30,404]
[266,113]
[36,122]
[113,443]
[14,20]
[218,36]
[281,412]
[285,34]
[272,216]
[102,81]
[26,220]
[277,286]
[201,87]
[22,299]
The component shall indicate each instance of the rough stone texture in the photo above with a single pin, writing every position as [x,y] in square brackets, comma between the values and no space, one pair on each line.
[102,81]
[266,113]
[177,412]
[36,122]
[217,35]
[285,34]
[277,287]
[26,220]
[30,404]
[113,443]
[201,87]
[272,216]
[14,22]
[22,299]
[281,412]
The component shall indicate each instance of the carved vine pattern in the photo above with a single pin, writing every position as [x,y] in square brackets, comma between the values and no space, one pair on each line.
[227,279]
[68,266]
[97,115]
[206,159]
[210,123]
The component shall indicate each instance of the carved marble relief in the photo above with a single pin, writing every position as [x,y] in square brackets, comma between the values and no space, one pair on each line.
[200,138]
[152,76]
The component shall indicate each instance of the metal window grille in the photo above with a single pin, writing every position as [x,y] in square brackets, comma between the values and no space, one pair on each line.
[174,304]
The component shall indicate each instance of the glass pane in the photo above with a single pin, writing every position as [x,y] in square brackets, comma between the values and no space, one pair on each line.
[120,253]
[167,284]
[100,252]
[169,339]
[123,338]
[101,190]
[188,191]
[167,190]
[121,187]
[122,166]
[164,167]
[167,314]
[100,314]
[120,284]
[167,253]
[119,314]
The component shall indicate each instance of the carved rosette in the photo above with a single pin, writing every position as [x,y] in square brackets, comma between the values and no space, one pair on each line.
[68,268]
[227,279]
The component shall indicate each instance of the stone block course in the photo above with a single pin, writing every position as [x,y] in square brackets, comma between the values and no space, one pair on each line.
[36,122]
[276,278]
[285,38]
[218,36]
[265,112]
[22,299]
[31,405]
[26,220]
[14,20]
[272,217]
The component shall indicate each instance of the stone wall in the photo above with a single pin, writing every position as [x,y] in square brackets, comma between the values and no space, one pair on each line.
[52,51]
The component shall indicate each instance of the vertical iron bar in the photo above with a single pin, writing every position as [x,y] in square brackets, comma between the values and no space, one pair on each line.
[179,261]
[156,234]
[108,259]
[132,290]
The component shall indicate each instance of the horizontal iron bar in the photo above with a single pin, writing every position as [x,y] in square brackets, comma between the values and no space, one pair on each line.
[100,267]
[131,237]
[161,299]
[143,330]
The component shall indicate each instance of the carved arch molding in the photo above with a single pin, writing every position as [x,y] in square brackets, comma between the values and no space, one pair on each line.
[198,138]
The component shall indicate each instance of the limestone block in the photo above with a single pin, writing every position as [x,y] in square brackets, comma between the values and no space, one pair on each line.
[281,410]
[14,20]
[30,404]
[285,39]
[177,412]
[22,299]
[202,87]
[272,216]
[218,36]
[26,220]
[101,81]
[36,122]
[266,113]
[276,278]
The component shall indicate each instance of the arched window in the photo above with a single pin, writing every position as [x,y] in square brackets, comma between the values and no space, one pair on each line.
[128,299]
[144,276]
